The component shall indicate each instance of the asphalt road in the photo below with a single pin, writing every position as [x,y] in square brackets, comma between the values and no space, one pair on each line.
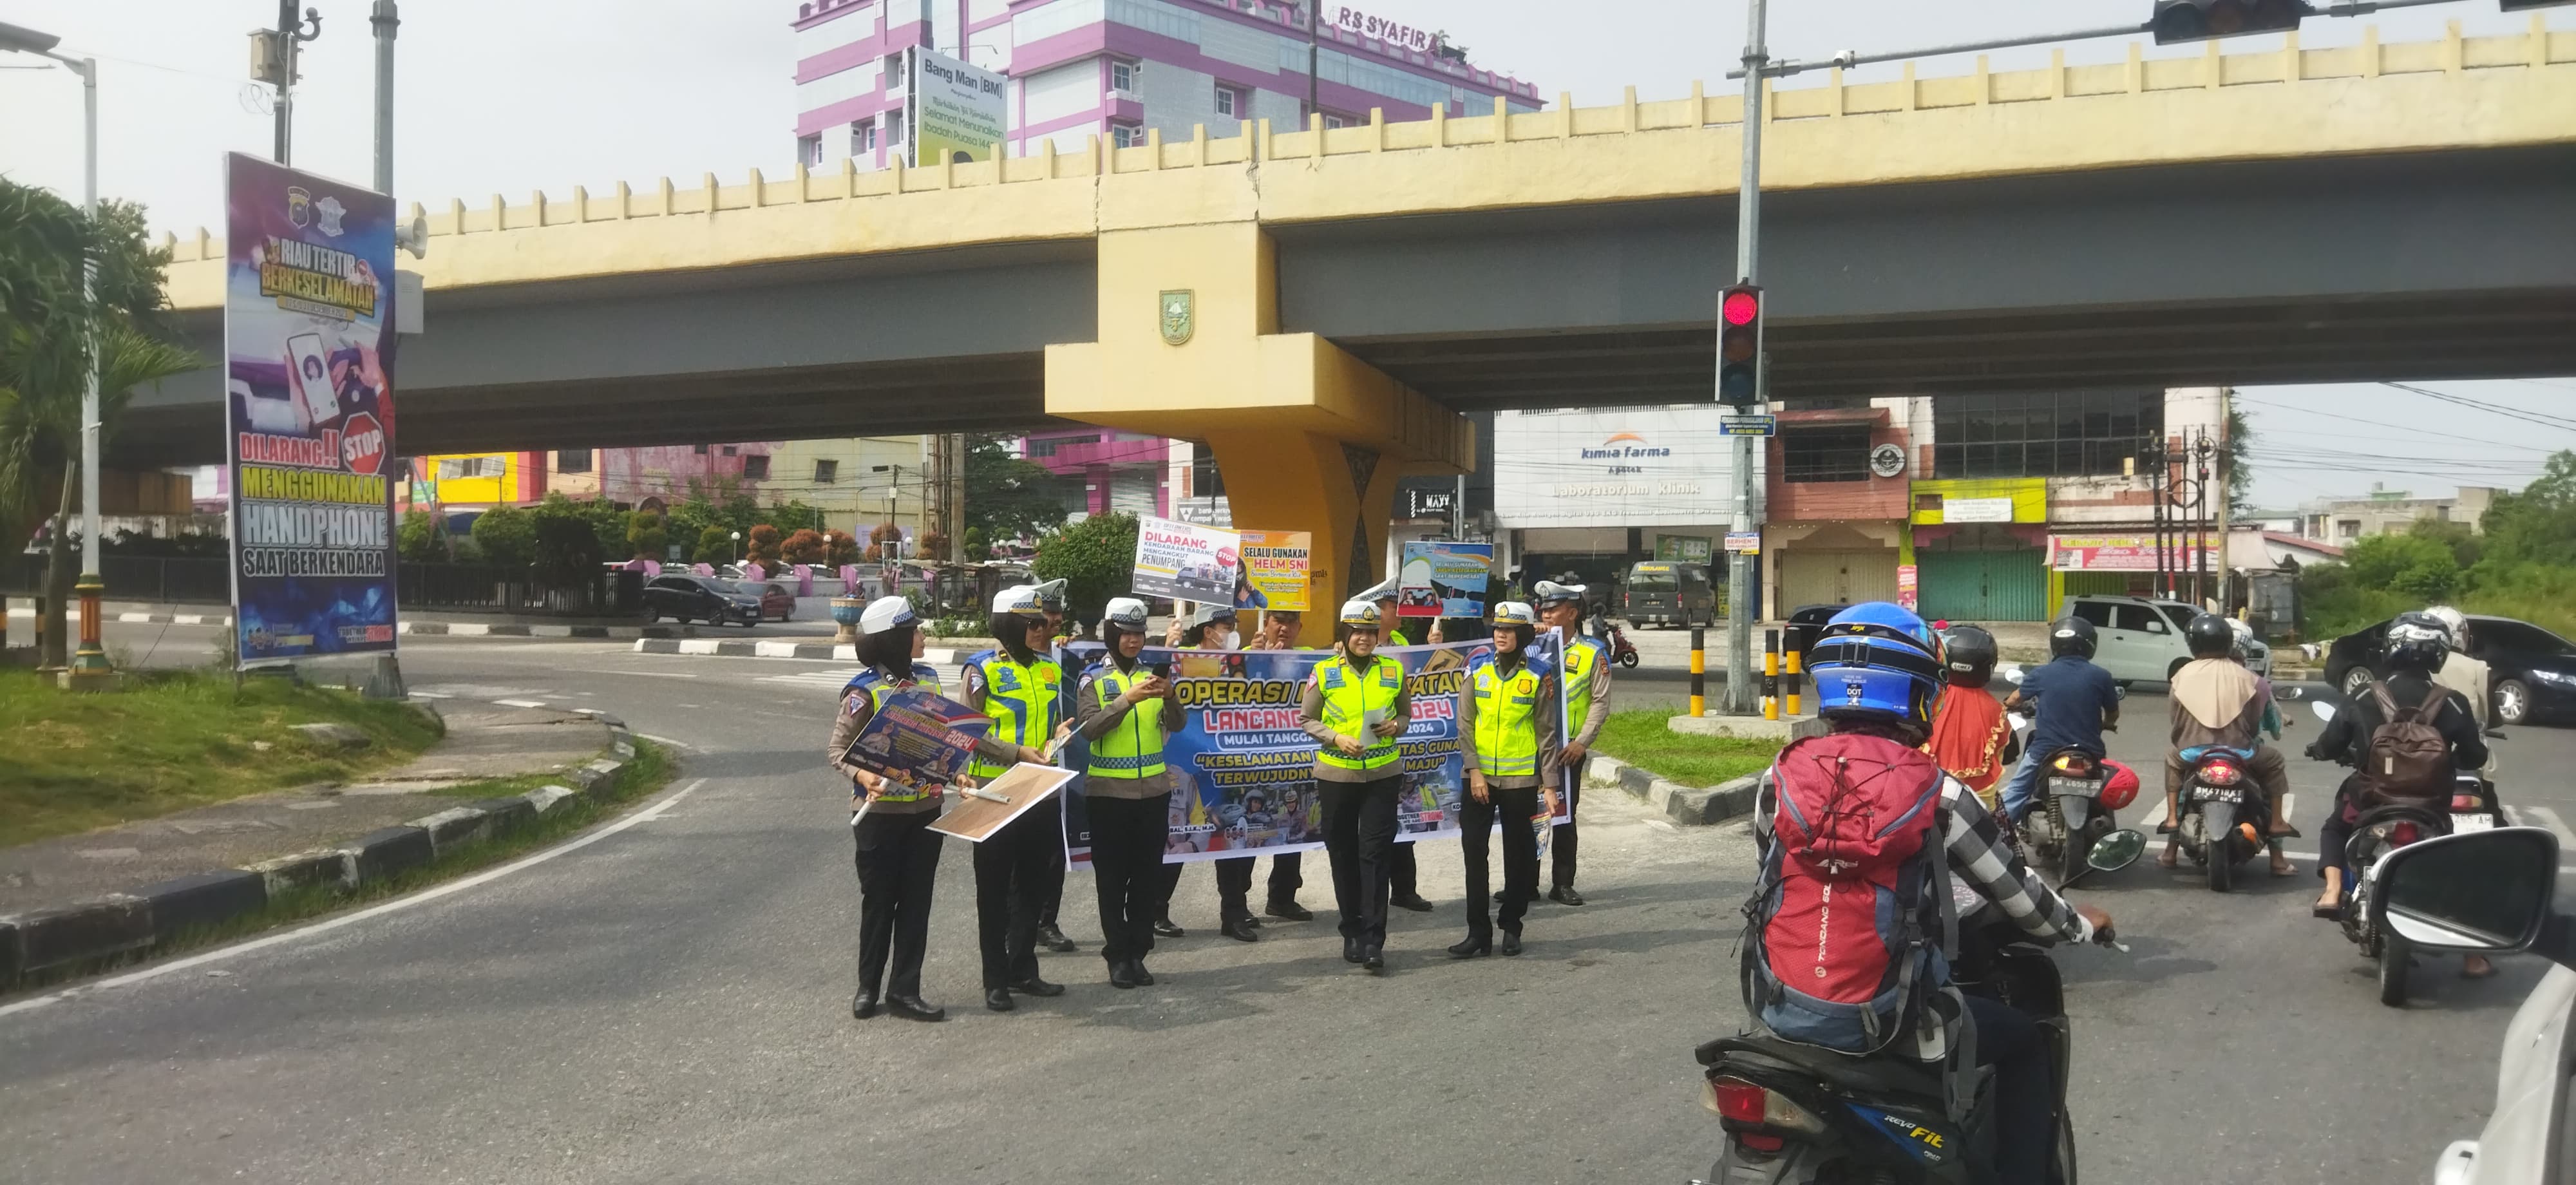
[670,1003]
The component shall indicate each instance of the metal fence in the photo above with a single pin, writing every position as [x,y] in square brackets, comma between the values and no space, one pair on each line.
[207,580]
[184,580]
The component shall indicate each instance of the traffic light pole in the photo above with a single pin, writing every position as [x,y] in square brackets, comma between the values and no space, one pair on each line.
[1786,67]
[1741,588]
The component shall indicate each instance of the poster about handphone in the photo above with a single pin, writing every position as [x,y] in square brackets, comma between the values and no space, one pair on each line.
[310,374]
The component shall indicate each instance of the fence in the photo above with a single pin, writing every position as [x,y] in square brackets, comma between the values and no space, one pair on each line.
[185,580]
[207,580]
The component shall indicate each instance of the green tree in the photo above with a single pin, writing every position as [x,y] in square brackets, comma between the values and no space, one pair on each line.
[1006,497]
[507,536]
[976,547]
[646,537]
[2536,525]
[715,546]
[417,538]
[2240,471]
[1096,558]
[566,554]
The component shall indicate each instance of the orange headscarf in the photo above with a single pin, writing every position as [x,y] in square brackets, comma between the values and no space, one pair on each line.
[1967,739]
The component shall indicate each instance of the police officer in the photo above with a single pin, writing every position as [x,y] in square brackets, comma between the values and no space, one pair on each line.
[898,854]
[1406,893]
[1124,710]
[1507,724]
[1355,704]
[1017,687]
[1587,707]
[1051,599]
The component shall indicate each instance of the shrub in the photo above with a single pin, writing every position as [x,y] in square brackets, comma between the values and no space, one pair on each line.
[804,547]
[506,536]
[760,545]
[1096,558]
[839,548]
[567,553]
[417,540]
[715,546]
[646,536]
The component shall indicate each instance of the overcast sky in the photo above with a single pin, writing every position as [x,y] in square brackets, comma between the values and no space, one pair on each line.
[509,97]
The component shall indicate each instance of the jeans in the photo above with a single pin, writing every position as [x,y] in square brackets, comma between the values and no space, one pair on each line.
[1127,836]
[1359,831]
[2017,796]
[2025,1090]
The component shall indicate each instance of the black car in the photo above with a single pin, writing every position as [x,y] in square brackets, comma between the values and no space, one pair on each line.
[700,598]
[2531,672]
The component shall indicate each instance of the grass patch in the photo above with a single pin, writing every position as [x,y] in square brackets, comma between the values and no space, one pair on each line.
[650,770]
[167,741]
[1643,739]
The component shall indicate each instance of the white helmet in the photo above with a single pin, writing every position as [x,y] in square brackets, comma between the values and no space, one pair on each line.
[1126,613]
[2452,620]
[1360,613]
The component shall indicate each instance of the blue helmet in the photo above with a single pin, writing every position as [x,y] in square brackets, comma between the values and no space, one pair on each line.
[1877,661]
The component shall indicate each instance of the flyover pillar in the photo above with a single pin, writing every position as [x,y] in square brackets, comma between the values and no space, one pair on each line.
[1308,437]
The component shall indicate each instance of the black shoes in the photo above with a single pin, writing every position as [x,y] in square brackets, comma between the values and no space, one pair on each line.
[863,1005]
[1038,987]
[1289,909]
[1240,930]
[912,1008]
[1411,901]
[1136,971]
[999,999]
[1565,895]
[1120,976]
[1053,939]
[1511,942]
[1373,958]
[1164,927]
[1476,946]
[1350,950]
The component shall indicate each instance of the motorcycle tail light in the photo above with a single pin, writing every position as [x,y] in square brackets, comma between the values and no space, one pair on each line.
[2464,802]
[2073,764]
[2403,834]
[1738,1101]
[2219,773]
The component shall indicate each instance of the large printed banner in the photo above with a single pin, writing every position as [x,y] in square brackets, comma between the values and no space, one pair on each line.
[1186,562]
[308,345]
[2123,553]
[1443,579]
[1244,765]
[1275,565]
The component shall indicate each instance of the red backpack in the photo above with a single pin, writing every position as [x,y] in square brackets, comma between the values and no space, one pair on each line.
[1850,919]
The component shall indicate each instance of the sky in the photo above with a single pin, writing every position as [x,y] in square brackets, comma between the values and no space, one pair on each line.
[511,97]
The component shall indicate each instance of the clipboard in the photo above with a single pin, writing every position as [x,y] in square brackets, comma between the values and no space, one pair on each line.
[983,810]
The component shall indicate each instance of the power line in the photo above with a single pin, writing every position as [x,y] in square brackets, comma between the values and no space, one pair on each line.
[2406,428]
[2545,421]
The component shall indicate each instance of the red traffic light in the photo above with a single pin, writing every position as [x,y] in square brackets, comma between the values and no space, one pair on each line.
[1741,306]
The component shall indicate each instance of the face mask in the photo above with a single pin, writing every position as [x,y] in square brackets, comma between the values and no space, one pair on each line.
[1233,640]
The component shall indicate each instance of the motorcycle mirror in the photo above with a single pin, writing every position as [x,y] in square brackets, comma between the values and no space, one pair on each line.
[2324,711]
[2116,851]
[2486,891]
[2012,675]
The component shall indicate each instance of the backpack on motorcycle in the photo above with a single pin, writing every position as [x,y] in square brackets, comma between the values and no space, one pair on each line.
[2408,760]
[1850,924]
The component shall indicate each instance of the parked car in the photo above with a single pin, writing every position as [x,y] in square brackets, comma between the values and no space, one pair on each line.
[2531,672]
[1662,592]
[2140,640]
[775,600]
[703,598]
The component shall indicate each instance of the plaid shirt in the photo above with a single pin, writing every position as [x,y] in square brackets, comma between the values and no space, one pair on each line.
[1980,859]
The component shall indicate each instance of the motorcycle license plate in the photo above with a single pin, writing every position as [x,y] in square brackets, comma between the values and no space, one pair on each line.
[2217,794]
[2472,821]
[2080,787]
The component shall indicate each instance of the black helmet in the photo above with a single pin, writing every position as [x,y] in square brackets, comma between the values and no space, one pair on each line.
[2072,635]
[2209,636]
[1970,655]
[2417,642]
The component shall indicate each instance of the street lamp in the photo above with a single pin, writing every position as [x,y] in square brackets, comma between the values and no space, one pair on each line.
[737,547]
[89,668]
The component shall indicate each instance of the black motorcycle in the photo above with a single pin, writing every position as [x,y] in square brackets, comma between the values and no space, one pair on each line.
[2225,816]
[1799,1115]
[2386,827]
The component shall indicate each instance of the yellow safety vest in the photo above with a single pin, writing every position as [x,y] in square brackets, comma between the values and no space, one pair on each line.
[1021,700]
[1395,637]
[1582,657]
[1506,733]
[870,681]
[1134,749]
[1349,696]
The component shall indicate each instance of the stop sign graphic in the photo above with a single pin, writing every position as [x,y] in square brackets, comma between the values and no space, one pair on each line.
[362,443]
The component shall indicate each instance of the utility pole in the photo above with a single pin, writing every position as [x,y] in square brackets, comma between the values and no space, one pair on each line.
[385,20]
[1740,585]
[2226,469]
[289,37]
[1314,55]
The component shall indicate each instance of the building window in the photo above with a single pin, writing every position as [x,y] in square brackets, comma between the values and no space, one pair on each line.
[729,450]
[1122,76]
[572,460]
[2348,528]
[1206,480]
[863,137]
[1334,121]
[1126,135]
[755,466]
[894,128]
[809,149]
[1046,447]
[2044,434]
[1825,454]
[893,73]
[826,472]
[455,468]
[1229,101]
[701,449]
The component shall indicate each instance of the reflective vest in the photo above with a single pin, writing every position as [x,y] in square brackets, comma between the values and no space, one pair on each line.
[1582,657]
[1394,637]
[1506,727]
[1020,699]
[924,678]
[1134,749]
[1349,696]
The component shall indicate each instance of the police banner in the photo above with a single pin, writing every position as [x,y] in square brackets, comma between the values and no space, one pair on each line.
[309,407]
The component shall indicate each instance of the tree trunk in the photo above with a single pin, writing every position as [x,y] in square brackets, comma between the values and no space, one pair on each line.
[59,578]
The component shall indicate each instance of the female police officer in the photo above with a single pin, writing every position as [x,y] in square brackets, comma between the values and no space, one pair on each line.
[1355,705]
[1507,728]
[1016,685]
[898,854]
[1124,710]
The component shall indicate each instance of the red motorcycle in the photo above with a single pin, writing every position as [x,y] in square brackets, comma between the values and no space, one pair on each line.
[1621,651]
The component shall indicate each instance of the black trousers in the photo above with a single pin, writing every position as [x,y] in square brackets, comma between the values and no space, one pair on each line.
[1234,888]
[1561,845]
[1012,868]
[1127,837]
[1171,884]
[1054,892]
[1287,875]
[1359,833]
[898,861]
[1400,871]
[1520,855]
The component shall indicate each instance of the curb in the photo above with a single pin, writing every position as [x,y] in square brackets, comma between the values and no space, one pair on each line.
[938,656]
[139,618]
[140,918]
[476,629]
[1690,806]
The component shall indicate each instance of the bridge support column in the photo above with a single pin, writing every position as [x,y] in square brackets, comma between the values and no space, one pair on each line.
[1308,437]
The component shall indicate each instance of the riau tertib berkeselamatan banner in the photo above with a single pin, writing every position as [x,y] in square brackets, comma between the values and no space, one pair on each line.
[309,405]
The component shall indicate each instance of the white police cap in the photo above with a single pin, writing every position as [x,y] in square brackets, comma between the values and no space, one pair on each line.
[1383,590]
[1051,594]
[1515,613]
[887,613]
[1127,613]
[1361,613]
[1022,599]
[1211,613]
[1550,592]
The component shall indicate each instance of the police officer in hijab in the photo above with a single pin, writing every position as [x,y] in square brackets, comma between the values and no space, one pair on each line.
[1018,687]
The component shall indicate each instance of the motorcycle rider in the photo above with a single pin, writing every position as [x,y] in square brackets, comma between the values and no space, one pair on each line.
[2416,647]
[2076,702]
[1969,735]
[2459,672]
[1889,689]
[2217,702]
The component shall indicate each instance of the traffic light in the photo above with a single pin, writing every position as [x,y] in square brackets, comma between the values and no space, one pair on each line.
[1739,343]
[2202,20]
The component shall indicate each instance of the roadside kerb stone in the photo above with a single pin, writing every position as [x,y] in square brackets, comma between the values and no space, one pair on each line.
[335,735]
[480,629]
[1691,806]
[89,931]
[937,656]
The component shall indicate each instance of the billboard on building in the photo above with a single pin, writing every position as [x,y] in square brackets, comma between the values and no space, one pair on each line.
[1628,467]
[956,110]
[2127,553]
[309,407]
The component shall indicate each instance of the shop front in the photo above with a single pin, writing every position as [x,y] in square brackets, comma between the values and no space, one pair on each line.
[1979,549]
[1596,492]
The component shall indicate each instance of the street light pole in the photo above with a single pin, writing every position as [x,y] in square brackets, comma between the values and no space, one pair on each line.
[386,20]
[1741,588]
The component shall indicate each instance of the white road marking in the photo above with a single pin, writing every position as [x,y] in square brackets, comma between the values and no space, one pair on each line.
[423,897]
[681,745]
[646,674]
[519,703]
[834,679]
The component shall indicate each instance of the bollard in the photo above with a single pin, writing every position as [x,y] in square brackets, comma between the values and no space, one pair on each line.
[1770,674]
[1699,671]
[1790,664]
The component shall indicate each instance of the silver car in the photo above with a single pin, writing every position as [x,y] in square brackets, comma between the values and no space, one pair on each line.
[2140,640]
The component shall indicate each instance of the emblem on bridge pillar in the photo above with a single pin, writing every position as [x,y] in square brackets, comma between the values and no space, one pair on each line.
[1180,308]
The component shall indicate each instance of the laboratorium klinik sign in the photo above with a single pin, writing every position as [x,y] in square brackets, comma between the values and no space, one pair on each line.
[1625,453]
